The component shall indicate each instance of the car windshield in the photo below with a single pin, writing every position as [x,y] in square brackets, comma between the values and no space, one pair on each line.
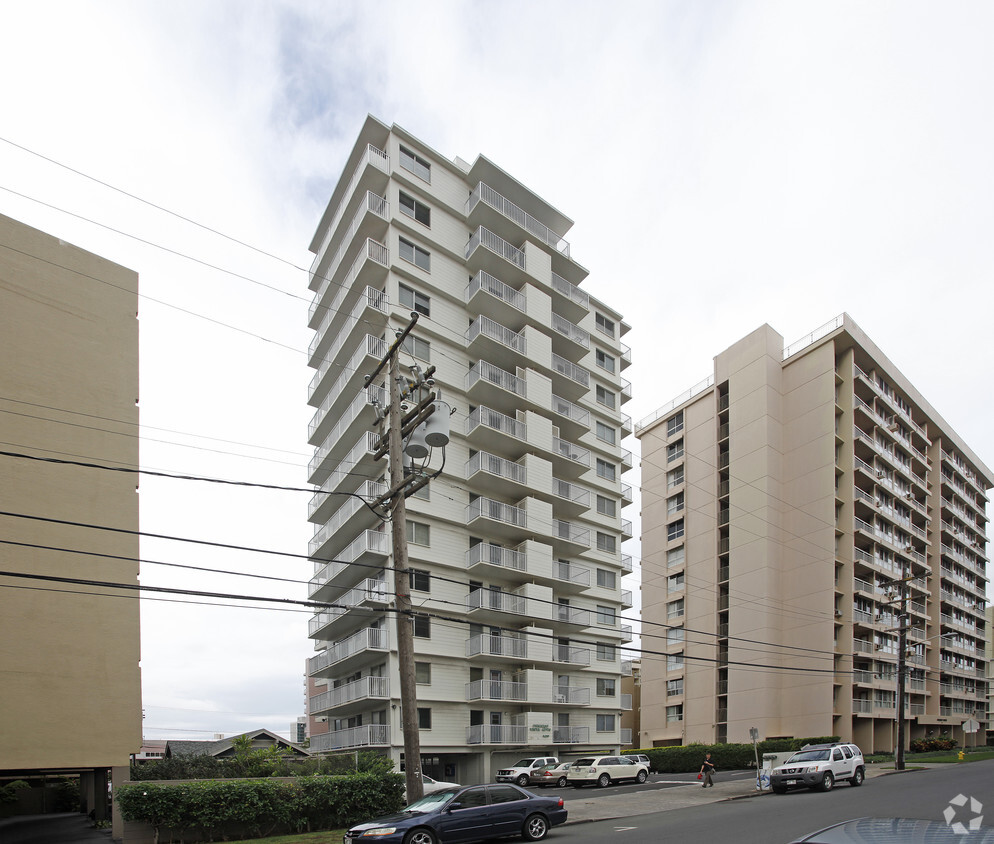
[432,801]
[584,762]
[523,763]
[810,756]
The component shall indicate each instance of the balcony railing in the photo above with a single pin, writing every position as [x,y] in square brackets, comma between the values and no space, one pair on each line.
[496,244]
[625,735]
[370,735]
[571,492]
[487,644]
[365,687]
[571,451]
[487,195]
[368,490]
[498,511]
[496,288]
[570,410]
[571,573]
[573,332]
[571,615]
[571,694]
[569,655]
[496,555]
[497,734]
[486,371]
[375,639]
[569,532]
[570,735]
[496,600]
[570,370]
[570,291]
[626,702]
[496,421]
[491,464]
[369,541]
[370,591]
[498,333]
[496,690]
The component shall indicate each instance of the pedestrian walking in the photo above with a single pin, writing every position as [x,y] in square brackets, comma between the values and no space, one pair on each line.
[707,769]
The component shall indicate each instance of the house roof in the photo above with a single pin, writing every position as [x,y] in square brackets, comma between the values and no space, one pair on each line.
[225,746]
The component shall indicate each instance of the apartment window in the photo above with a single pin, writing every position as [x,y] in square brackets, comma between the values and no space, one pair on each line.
[605,723]
[674,504]
[674,424]
[415,209]
[605,397]
[606,542]
[674,635]
[605,651]
[674,583]
[674,662]
[607,506]
[607,579]
[605,687]
[414,300]
[422,627]
[674,713]
[415,164]
[674,477]
[422,673]
[604,360]
[674,530]
[415,254]
[674,609]
[605,615]
[606,470]
[674,451]
[418,533]
[605,433]
[416,347]
[420,580]
[674,687]
[424,718]
[675,556]
[604,325]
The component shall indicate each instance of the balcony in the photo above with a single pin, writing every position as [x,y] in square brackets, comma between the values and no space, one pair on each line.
[573,419]
[626,702]
[497,734]
[626,598]
[494,603]
[579,338]
[362,689]
[626,563]
[496,690]
[491,253]
[497,517]
[571,695]
[497,474]
[491,645]
[370,592]
[493,559]
[488,338]
[572,534]
[358,416]
[322,395]
[485,194]
[625,735]
[626,528]
[370,735]
[487,383]
[369,640]
[572,574]
[354,514]
[626,494]
[370,544]
[573,616]
[569,655]
[573,303]
[371,264]
[325,500]
[576,497]
[577,458]
[574,380]
[486,427]
[571,735]
[488,294]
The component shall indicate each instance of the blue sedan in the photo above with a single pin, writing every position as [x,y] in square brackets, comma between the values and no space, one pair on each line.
[465,814]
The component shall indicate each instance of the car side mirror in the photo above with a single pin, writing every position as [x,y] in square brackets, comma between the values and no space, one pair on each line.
[452,806]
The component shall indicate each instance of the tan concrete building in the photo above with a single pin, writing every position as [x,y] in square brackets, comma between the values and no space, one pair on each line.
[792,503]
[70,685]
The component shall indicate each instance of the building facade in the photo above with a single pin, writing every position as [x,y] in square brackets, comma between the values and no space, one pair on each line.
[70,682]
[793,504]
[518,541]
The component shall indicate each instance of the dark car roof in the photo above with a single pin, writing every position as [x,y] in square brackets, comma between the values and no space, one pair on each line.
[895,831]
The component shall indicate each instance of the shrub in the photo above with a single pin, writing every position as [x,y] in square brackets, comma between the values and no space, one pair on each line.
[682,759]
[932,743]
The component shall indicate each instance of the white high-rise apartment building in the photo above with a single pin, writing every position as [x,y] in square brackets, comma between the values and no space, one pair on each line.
[516,546]
[792,504]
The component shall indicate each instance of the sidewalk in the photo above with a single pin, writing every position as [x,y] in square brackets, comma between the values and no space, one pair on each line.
[624,803]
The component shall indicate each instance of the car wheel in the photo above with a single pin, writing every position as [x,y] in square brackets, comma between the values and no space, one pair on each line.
[522,780]
[420,836]
[779,789]
[642,776]
[827,781]
[603,780]
[561,783]
[857,778]
[535,828]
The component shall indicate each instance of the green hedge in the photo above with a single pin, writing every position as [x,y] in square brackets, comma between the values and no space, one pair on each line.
[255,764]
[212,809]
[687,758]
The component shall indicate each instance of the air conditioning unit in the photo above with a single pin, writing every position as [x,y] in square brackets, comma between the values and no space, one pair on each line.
[880,473]
[909,547]
[909,495]
[560,698]
[893,427]
[878,502]
[838,613]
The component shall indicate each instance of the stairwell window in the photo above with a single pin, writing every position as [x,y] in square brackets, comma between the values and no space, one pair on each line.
[424,718]
[415,254]
[674,424]
[674,477]
[674,530]
[674,504]
[675,556]
[414,300]
[415,209]
[674,687]
[674,609]
[674,451]
[415,164]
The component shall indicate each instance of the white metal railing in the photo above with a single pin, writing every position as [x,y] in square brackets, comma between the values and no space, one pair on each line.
[497,332]
[625,735]
[369,298]
[368,490]
[364,687]
[570,410]
[496,288]
[570,370]
[371,250]
[496,734]
[497,600]
[357,405]
[571,451]
[496,244]
[864,706]
[495,555]
[487,195]
[496,690]
[570,532]
[377,158]
[369,591]
[570,735]
[626,563]
[498,511]
[497,421]
[369,541]
[672,405]
[626,701]
[571,694]
[571,492]
[626,597]
[814,336]
[366,445]
[570,655]
[365,736]
[571,615]
[626,668]
[572,573]
[487,644]
[486,371]
[370,638]
[573,332]
[627,634]
[491,464]
[368,346]
[570,291]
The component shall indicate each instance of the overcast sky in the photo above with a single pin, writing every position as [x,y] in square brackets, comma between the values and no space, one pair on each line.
[727,164]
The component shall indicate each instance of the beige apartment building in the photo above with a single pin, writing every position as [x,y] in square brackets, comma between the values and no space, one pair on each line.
[518,542]
[793,504]
[70,684]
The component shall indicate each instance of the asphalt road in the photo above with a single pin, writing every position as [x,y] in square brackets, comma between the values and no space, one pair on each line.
[771,818]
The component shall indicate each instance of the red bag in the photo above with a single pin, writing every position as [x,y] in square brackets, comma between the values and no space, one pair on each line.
[700,776]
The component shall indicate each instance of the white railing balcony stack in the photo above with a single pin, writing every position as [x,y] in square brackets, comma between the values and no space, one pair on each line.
[569,655]
[571,451]
[486,371]
[573,332]
[498,511]
[497,332]
[491,464]
[496,288]
[570,291]
[496,421]
[570,370]
[370,638]
[372,250]
[495,599]
[375,541]
[364,687]
[497,555]
[369,490]
[496,244]
[487,644]
[369,735]
[368,298]
[570,735]
[497,734]
[496,690]
[571,694]
[487,195]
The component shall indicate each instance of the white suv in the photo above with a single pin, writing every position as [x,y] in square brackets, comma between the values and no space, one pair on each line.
[520,772]
[820,766]
[603,770]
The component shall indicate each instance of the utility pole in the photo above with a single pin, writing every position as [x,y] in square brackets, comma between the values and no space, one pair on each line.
[902,669]
[400,487]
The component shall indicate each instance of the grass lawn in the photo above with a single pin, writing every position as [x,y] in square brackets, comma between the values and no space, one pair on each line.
[938,757]
[329,836]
